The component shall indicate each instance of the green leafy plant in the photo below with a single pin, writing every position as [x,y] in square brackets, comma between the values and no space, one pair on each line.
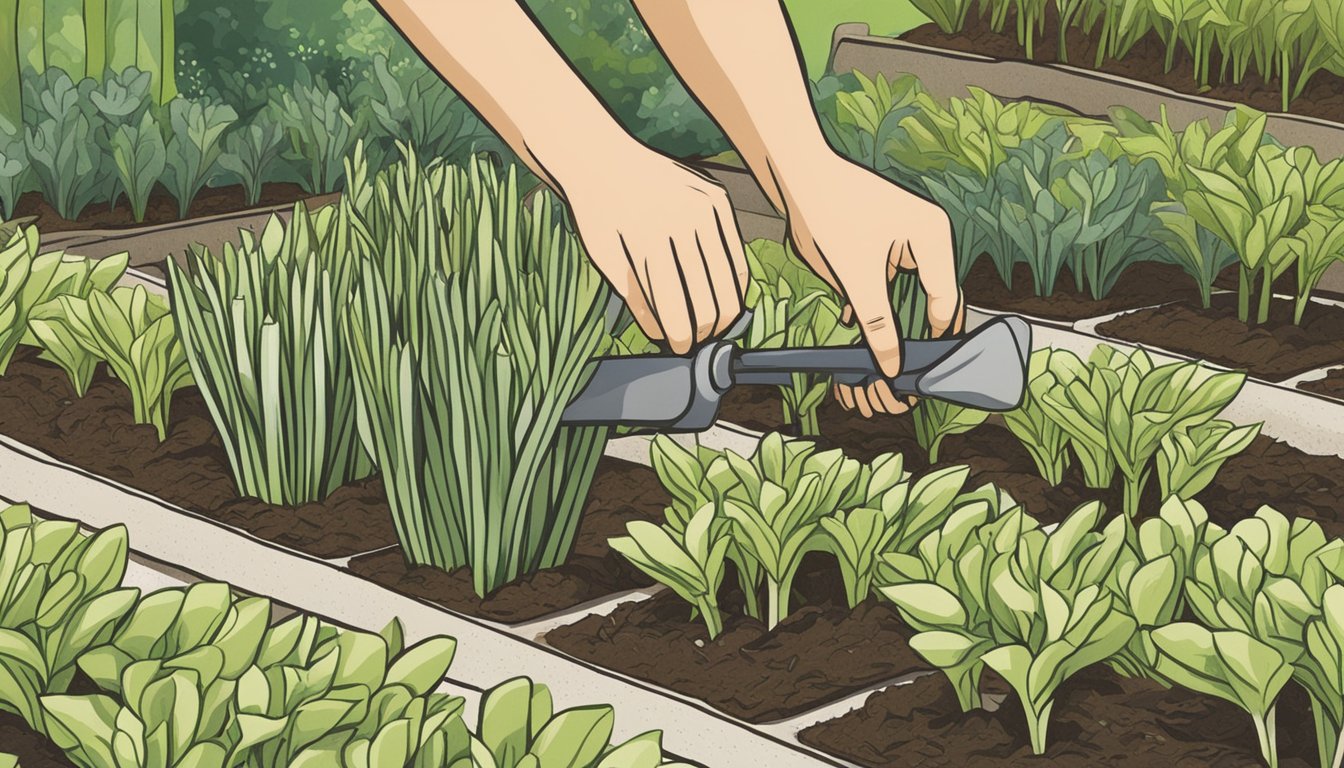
[472,328]
[260,326]
[13,171]
[793,308]
[949,15]
[519,728]
[198,128]
[141,157]
[1041,435]
[1077,401]
[252,151]
[60,139]
[866,118]
[1044,230]
[418,108]
[28,281]
[688,559]
[1036,605]
[894,522]
[1194,248]
[321,132]
[1190,458]
[1316,246]
[59,594]
[936,419]
[133,331]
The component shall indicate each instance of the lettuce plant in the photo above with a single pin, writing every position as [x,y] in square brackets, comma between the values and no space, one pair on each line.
[938,588]
[936,419]
[872,113]
[1323,666]
[141,157]
[13,171]
[1077,401]
[1194,248]
[29,281]
[260,326]
[974,133]
[519,728]
[972,204]
[472,327]
[320,130]
[252,151]
[133,331]
[59,594]
[1317,245]
[1044,230]
[688,559]
[61,141]
[1189,459]
[894,522]
[194,150]
[421,110]
[1041,435]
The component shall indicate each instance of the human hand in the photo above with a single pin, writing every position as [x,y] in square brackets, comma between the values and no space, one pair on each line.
[856,229]
[665,238]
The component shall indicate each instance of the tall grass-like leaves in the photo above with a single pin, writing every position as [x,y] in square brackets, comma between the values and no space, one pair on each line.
[133,331]
[59,595]
[1041,435]
[469,337]
[194,150]
[1190,458]
[141,157]
[261,328]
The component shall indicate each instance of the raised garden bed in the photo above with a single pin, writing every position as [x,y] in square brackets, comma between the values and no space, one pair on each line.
[1269,471]
[161,208]
[1275,351]
[1332,385]
[1143,284]
[190,469]
[1101,719]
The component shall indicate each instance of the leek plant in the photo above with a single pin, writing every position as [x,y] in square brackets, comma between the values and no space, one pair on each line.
[260,326]
[1040,434]
[133,331]
[59,594]
[1189,458]
[473,324]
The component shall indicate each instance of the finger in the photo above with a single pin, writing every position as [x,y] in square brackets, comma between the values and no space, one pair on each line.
[877,321]
[861,402]
[632,291]
[692,266]
[662,283]
[725,223]
[728,292]
[884,399]
[935,262]
[845,395]
[847,316]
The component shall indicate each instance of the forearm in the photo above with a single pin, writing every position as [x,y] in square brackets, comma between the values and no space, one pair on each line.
[756,92]
[501,63]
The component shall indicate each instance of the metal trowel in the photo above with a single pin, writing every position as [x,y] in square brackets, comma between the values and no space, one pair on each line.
[984,369]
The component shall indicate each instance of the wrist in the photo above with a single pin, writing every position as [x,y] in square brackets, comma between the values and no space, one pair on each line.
[790,167]
[590,149]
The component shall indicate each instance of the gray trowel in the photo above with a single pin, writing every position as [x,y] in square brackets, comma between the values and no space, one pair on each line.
[984,369]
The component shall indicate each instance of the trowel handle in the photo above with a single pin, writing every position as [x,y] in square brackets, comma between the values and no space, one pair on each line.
[846,365]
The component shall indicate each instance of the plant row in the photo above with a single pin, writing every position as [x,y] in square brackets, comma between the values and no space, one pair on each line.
[1287,42]
[86,141]
[198,677]
[431,325]
[1028,183]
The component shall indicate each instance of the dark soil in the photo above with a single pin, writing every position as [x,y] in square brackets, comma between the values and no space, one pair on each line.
[1267,472]
[32,748]
[1323,97]
[190,469]
[621,492]
[1144,284]
[1275,351]
[161,209]
[820,653]
[1099,718]
[1330,386]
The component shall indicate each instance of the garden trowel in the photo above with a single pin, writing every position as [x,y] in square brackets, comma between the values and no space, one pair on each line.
[985,369]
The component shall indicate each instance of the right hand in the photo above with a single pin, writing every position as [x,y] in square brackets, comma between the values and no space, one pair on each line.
[666,240]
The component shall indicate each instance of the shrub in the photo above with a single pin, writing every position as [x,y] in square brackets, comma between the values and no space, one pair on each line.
[471,330]
[261,329]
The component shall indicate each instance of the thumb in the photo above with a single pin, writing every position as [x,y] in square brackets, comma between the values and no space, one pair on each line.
[877,321]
